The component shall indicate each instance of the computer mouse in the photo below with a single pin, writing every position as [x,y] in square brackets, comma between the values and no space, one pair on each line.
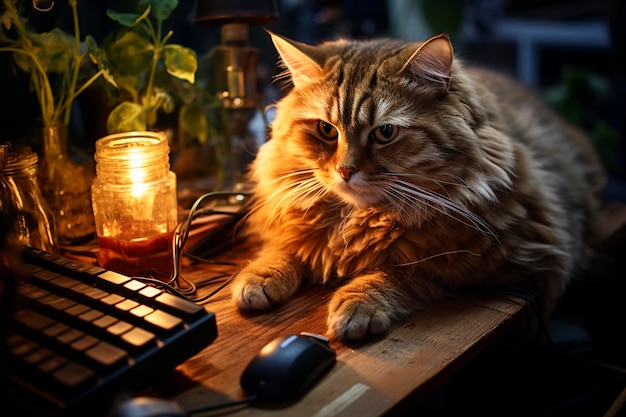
[148,407]
[286,367]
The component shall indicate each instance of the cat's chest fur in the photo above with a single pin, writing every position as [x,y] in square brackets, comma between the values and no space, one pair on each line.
[339,244]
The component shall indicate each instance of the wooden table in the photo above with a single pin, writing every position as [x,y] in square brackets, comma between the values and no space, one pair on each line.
[380,376]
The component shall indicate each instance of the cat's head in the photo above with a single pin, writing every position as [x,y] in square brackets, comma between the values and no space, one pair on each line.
[370,123]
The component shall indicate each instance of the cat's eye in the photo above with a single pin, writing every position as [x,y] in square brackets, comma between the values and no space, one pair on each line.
[327,130]
[385,133]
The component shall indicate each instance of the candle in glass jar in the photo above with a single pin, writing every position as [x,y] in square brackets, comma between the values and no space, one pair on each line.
[134,203]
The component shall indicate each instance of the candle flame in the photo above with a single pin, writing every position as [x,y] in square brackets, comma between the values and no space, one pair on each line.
[137,174]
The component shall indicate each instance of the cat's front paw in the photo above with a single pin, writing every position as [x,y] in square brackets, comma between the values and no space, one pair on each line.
[249,294]
[263,288]
[353,319]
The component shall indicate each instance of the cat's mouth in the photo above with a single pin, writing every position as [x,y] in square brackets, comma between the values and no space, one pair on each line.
[357,193]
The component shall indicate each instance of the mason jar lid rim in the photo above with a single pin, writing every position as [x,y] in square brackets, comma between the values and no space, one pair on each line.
[129,140]
[18,161]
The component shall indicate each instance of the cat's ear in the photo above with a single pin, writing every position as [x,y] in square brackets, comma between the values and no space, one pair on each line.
[432,62]
[298,58]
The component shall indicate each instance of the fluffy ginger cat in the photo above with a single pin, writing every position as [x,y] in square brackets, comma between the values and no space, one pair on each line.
[400,175]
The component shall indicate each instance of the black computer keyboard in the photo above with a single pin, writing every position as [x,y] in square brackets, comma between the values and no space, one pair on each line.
[79,335]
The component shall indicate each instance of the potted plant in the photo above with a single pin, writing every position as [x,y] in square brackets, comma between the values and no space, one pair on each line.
[156,80]
[55,63]
[151,74]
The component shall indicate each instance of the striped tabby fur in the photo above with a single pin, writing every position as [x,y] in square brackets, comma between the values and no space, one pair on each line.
[400,175]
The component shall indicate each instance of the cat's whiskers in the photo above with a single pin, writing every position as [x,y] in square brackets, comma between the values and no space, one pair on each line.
[418,212]
[295,190]
[441,183]
[440,203]
[452,252]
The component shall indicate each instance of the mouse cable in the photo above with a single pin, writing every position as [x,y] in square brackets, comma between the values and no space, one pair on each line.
[228,404]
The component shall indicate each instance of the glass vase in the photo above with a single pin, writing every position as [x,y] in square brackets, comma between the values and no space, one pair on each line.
[65,181]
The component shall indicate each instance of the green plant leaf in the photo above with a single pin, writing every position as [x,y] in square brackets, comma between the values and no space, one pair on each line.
[55,49]
[126,117]
[5,20]
[180,62]
[132,53]
[128,19]
[131,44]
[98,56]
[93,50]
[130,84]
[25,63]
[193,122]
[161,9]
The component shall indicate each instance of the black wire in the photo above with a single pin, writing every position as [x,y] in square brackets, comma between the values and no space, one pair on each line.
[172,283]
[178,242]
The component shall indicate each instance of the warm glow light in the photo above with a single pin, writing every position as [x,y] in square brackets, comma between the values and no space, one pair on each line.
[137,174]
[134,201]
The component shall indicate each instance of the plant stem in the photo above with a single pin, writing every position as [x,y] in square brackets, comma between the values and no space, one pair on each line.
[91,80]
[54,110]
[66,108]
[42,84]
[155,59]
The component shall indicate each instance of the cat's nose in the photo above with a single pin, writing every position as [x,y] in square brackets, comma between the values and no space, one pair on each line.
[346,172]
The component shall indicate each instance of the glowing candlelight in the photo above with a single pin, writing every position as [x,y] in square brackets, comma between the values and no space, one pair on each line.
[134,201]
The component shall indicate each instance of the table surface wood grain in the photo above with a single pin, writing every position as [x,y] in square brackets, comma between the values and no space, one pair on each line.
[379,376]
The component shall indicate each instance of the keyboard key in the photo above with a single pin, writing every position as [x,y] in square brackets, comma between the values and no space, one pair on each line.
[76,310]
[23,348]
[119,328]
[113,278]
[37,355]
[112,299]
[180,306]
[134,286]
[32,319]
[45,275]
[84,343]
[69,336]
[61,261]
[150,292]
[163,321]
[95,294]
[29,269]
[126,305]
[56,329]
[139,339]
[91,315]
[73,375]
[107,355]
[56,302]
[51,363]
[31,292]
[141,311]
[64,282]
[104,321]
[47,256]
[93,271]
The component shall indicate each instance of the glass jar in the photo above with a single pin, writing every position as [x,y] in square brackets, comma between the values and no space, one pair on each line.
[134,203]
[65,181]
[23,201]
